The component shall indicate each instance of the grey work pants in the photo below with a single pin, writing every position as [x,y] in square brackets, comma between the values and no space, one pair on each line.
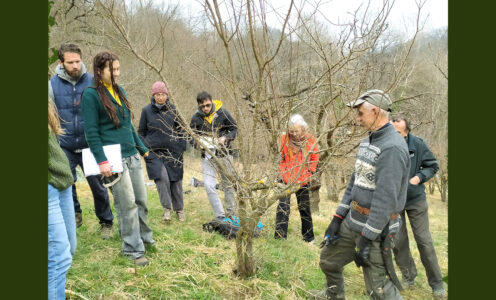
[169,192]
[209,169]
[334,257]
[130,203]
[419,220]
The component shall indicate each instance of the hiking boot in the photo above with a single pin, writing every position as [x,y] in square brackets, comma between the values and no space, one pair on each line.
[167,215]
[439,293]
[107,231]
[408,284]
[142,261]
[322,295]
[79,219]
[181,216]
[318,295]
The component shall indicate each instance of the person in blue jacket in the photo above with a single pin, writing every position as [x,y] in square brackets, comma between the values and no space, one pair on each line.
[65,88]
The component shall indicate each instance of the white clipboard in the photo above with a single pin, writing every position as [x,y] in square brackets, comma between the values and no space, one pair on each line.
[113,154]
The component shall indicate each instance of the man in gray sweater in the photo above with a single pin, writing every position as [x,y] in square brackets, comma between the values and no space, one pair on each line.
[371,203]
[423,167]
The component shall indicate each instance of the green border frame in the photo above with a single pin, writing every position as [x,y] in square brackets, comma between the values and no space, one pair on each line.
[470,121]
[24,149]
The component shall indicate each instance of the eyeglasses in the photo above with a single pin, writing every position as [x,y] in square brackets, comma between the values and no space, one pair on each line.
[205,105]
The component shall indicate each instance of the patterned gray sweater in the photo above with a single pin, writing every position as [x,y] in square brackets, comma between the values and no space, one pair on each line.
[379,182]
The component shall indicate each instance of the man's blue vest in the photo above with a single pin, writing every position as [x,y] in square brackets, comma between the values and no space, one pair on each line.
[68,100]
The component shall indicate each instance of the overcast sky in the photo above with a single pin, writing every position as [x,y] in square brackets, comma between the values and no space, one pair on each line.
[402,16]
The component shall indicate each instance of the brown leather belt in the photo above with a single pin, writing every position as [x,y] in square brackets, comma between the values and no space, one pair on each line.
[366,211]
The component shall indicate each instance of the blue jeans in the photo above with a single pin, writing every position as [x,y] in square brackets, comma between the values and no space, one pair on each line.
[130,203]
[210,171]
[61,239]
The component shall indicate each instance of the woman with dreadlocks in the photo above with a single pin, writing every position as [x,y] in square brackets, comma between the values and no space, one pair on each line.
[107,120]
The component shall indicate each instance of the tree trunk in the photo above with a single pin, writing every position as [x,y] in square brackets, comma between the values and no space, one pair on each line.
[332,186]
[431,186]
[244,241]
[442,186]
[315,185]
[244,252]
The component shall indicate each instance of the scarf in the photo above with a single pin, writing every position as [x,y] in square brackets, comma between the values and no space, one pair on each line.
[113,93]
[159,106]
[296,146]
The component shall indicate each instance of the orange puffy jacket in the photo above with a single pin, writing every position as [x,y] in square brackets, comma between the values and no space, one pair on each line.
[292,168]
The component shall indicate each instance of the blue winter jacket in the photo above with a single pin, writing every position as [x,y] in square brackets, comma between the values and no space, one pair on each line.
[66,93]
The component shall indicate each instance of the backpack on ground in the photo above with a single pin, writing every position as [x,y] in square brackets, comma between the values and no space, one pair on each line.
[228,227]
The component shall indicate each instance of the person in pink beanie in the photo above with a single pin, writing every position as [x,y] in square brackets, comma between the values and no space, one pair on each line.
[161,132]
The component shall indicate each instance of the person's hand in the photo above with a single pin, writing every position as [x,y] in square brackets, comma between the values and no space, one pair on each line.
[363,254]
[222,140]
[106,169]
[415,180]
[333,228]
[146,154]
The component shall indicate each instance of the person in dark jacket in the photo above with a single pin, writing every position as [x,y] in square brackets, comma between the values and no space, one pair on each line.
[65,88]
[370,206]
[217,129]
[162,133]
[423,167]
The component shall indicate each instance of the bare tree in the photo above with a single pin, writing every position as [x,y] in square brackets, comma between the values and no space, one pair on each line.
[265,74]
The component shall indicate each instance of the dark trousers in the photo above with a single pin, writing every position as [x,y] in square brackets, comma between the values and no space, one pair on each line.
[335,257]
[282,215]
[419,220]
[100,194]
[169,192]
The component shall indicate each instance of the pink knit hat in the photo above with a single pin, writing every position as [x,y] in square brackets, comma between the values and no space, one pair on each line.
[159,87]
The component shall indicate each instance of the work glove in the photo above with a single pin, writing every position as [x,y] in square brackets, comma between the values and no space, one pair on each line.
[333,228]
[331,233]
[363,254]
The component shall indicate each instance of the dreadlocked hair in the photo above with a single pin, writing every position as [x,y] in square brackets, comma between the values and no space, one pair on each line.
[100,62]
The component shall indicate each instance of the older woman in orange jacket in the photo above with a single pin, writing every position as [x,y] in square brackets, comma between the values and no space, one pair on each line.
[299,159]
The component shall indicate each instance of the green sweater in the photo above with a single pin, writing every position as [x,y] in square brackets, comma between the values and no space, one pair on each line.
[59,171]
[100,130]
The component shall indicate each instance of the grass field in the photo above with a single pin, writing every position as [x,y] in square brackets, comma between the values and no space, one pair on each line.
[189,263]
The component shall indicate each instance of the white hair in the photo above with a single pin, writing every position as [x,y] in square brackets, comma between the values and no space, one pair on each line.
[297,120]
[368,106]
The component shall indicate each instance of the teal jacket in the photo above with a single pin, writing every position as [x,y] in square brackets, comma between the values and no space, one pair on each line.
[101,131]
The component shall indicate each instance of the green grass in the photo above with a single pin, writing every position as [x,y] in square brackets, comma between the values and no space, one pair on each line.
[189,263]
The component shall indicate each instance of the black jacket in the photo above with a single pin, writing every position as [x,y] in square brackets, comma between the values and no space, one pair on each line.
[223,124]
[423,164]
[161,132]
